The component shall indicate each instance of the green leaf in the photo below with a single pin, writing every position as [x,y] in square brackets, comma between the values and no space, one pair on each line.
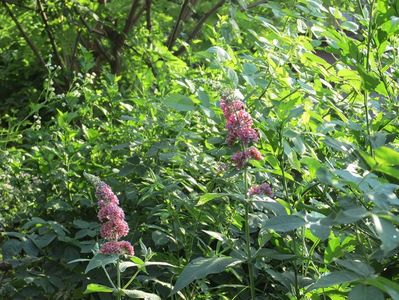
[386,285]
[221,54]
[44,240]
[334,278]
[387,156]
[362,292]
[350,26]
[215,235]
[370,81]
[208,197]
[179,102]
[387,233]
[351,215]
[30,248]
[201,267]
[381,165]
[136,294]
[284,223]
[128,264]
[357,266]
[273,254]
[99,260]
[11,248]
[97,288]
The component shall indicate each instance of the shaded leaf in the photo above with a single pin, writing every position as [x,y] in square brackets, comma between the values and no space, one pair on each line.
[201,267]
[284,223]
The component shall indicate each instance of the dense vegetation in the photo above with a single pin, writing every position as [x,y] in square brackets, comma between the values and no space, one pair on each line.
[131,92]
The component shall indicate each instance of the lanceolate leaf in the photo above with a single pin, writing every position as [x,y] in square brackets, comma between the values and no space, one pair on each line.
[361,292]
[208,197]
[97,288]
[201,267]
[179,103]
[284,223]
[334,278]
[99,260]
[136,294]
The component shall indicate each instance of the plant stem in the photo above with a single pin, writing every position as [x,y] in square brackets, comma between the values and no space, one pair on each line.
[286,193]
[118,280]
[365,92]
[131,279]
[248,238]
[109,278]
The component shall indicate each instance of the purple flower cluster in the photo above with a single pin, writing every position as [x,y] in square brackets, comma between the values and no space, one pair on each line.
[238,122]
[112,218]
[117,247]
[263,189]
[239,126]
[240,158]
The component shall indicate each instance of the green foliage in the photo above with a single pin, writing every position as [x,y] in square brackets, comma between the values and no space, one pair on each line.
[320,81]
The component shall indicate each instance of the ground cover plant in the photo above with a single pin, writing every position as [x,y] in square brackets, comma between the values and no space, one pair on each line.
[199,149]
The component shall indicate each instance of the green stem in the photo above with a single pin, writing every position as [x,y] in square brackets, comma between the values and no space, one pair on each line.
[109,278]
[365,92]
[118,280]
[287,199]
[248,238]
[131,279]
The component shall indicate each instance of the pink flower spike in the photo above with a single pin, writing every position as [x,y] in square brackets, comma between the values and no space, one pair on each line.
[254,153]
[112,217]
[239,126]
[239,159]
[121,247]
[110,211]
[114,229]
[105,195]
[230,108]
[263,189]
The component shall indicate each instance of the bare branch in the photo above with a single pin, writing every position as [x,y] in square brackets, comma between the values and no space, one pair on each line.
[198,27]
[75,48]
[139,14]
[97,42]
[25,36]
[148,14]
[130,17]
[173,34]
[49,34]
